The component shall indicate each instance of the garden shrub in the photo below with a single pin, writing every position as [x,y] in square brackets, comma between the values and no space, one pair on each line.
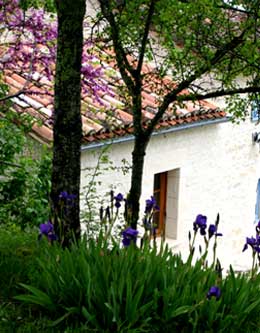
[98,211]
[25,176]
[140,290]
[18,259]
[101,285]
[19,254]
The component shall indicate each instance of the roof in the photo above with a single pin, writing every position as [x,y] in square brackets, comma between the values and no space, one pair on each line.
[111,117]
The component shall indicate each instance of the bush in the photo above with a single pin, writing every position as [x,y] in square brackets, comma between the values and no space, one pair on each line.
[24,177]
[139,290]
[100,286]
[18,260]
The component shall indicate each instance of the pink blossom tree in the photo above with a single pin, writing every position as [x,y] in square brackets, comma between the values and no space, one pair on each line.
[28,46]
[45,46]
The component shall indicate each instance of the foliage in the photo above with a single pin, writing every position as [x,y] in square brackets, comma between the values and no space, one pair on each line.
[191,39]
[19,253]
[39,49]
[98,212]
[18,256]
[208,48]
[46,4]
[139,290]
[25,177]
[95,287]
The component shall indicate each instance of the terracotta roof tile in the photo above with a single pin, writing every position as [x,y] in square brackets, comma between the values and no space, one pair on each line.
[43,132]
[113,118]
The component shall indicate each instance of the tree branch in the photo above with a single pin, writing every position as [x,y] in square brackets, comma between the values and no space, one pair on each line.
[218,93]
[172,96]
[17,94]
[122,62]
[145,37]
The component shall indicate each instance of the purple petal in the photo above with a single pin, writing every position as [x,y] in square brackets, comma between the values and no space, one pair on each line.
[117,204]
[130,232]
[201,219]
[126,242]
[212,230]
[119,197]
[46,228]
[214,291]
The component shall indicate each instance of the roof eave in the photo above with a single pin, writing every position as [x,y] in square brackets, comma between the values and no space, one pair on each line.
[128,138]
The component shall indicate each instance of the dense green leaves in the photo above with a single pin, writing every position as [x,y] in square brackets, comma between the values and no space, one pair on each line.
[209,48]
[24,174]
[191,34]
[46,4]
[132,290]
[18,255]
[93,288]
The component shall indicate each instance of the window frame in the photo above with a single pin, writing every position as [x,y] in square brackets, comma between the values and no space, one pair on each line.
[162,190]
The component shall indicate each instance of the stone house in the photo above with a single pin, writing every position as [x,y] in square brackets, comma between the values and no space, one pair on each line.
[207,166]
[197,162]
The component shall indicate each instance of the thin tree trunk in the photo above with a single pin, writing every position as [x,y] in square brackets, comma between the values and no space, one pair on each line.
[138,155]
[67,121]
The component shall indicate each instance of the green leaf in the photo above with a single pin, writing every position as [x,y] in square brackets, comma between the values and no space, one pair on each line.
[87,315]
[71,311]
[252,306]
[37,297]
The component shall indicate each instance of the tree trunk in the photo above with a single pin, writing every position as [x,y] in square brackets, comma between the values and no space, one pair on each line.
[67,126]
[138,155]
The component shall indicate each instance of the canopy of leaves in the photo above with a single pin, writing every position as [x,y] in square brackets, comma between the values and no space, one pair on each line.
[204,45]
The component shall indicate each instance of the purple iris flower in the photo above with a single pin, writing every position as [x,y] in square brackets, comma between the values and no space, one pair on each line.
[67,199]
[47,230]
[201,224]
[118,199]
[214,291]
[150,204]
[213,231]
[66,196]
[253,242]
[129,235]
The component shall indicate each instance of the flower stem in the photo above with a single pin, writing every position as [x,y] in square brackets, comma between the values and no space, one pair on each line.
[253,266]
[191,246]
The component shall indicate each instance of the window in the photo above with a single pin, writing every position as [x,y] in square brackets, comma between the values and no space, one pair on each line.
[166,193]
[255,109]
[159,192]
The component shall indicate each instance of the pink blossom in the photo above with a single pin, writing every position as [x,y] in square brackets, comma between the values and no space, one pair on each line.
[31,39]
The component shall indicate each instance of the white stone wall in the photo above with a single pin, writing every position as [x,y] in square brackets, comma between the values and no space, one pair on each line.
[92,7]
[218,168]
